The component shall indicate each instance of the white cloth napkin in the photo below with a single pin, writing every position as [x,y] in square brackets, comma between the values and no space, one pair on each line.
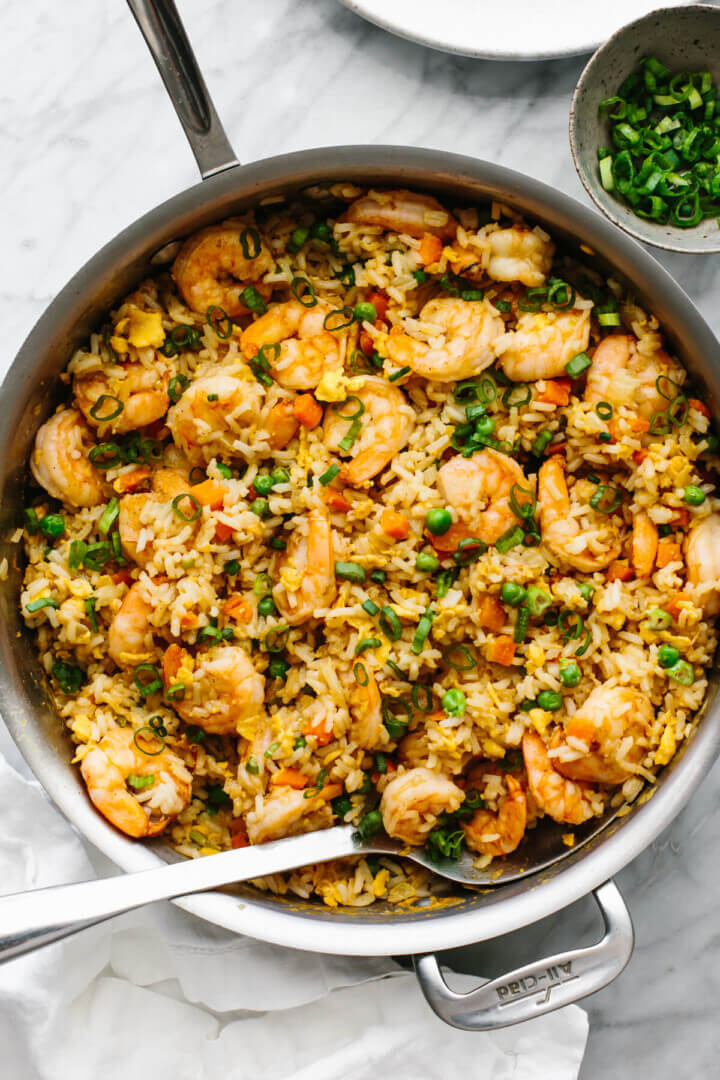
[160,993]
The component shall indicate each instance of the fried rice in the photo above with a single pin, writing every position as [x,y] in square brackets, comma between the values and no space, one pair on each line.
[379,512]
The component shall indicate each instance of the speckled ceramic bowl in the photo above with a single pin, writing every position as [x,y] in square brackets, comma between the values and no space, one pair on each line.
[684,38]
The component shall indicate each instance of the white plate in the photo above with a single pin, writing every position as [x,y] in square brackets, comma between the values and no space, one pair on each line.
[506,29]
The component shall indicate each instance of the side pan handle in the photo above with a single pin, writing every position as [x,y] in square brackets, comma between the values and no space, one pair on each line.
[540,987]
[166,39]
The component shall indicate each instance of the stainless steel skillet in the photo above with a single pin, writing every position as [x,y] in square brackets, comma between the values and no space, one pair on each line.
[27,397]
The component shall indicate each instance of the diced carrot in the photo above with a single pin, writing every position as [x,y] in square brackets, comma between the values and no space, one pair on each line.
[668,551]
[209,493]
[619,570]
[556,448]
[491,614]
[239,608]
[289,777]
[131,481]
[122,576]
[238,833]
[189,620]
[556,392]
[430,249]
[380,302]
[367,343]
[674,606]
[307,410]
[449,541]
[335,499]
[501,650]
[223,532]
[699,405]
[330,791]
[318,731]
[681,517]
[639,456]
[173,659]
[395,525]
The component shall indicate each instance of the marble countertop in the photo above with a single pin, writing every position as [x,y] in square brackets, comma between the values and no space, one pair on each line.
[89,141]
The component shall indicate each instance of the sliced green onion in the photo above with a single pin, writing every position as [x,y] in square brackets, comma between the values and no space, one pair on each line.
[220,321]
[329,475]
[108,516]
[253,301]
[604,410]
[361,674]
[96,555]
[426,705]
[469,551]
[90,612]
[179,512]
[339,319]
[509,539]
[43,602]
[510,399]
[96,410]
[390,623]
[459,658]
[606,499]
[522,623]
[251,243]
[303,291]
[577,365]
[350,571]
[396,714]
[370,606]
[399,374]
[367,643]
[276,638]
[423,630]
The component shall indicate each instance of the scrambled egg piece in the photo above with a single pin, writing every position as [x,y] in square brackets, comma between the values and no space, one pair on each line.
[535,657]
[493,749]
[334,386]
[568,839]
[667,747]
[247,728]
[291,578]
[143,329]
[82,728]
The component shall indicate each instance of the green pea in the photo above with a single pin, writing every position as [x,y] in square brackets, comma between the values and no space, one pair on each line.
[485,425]
[512,594]
[278,668]
[263,484]
[279,476]
[277,543]
[261,507]
[438,521]
[570,674]
[365,312]
[668,655]
[586,590]
[427,562]
[454,702]
[224,470]
[266,606]
[694,496]
[369,826]
[713,444]
[52,526]
[550,700]
[342,805]
[321,231]
[232,567]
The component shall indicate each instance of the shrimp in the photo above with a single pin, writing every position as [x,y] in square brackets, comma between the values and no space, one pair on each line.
[287,812]
[479,489]
[130,639]
[59,461]
[413,801]
[585,548]
[213,268]
[500,833]
[543,343]
[281,425]
[555,794]
[117,760]
[367,729]
[225,690]
[702,553]
[402,211]
[139,512]
[306,570]
[520,255]
[644,545]
[138,395]
[386,424]
[462,345]
[215,412]
[620,375]
[304,349]
[613,723]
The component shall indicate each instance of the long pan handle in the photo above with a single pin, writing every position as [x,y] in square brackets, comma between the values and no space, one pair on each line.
[168,43]
[30,920]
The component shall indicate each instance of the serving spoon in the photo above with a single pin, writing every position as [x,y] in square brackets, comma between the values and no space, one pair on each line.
[29,920]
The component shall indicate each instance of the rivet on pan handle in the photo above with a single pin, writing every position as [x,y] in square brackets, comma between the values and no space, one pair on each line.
[540,987]
[166,39]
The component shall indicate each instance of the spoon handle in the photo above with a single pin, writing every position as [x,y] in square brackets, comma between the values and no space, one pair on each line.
[29,920]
